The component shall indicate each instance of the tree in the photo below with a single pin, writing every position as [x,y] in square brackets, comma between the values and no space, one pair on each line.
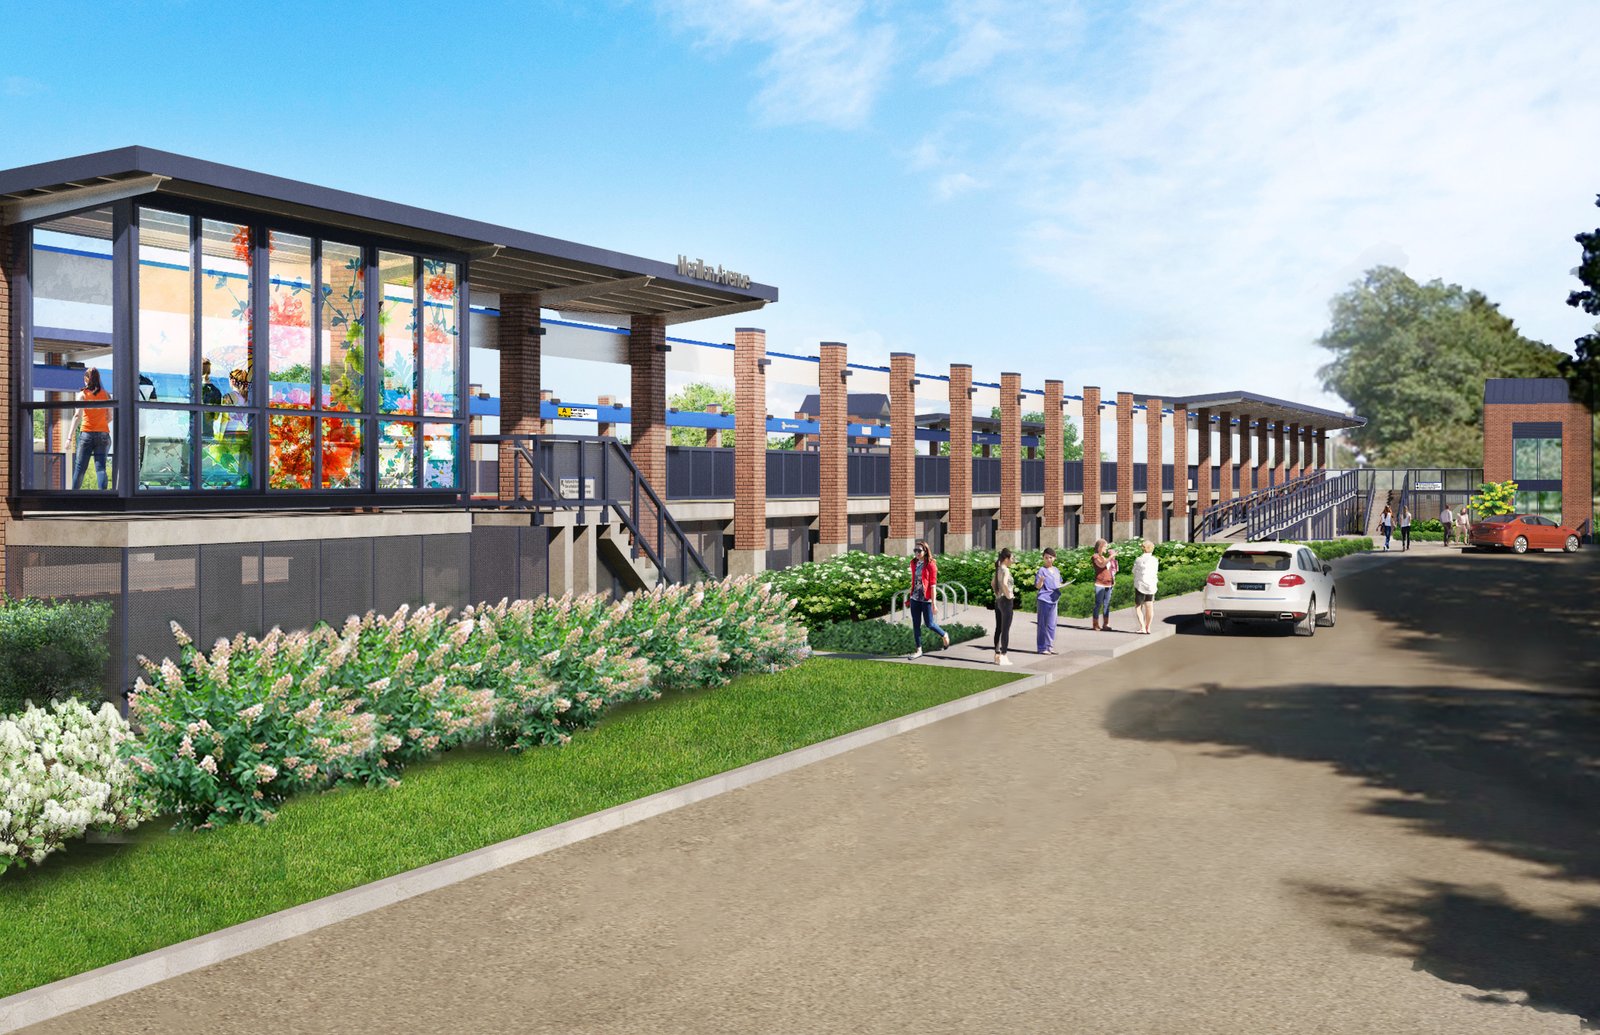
[1583,370]
[694,398]
[1412,358]
[1071,448]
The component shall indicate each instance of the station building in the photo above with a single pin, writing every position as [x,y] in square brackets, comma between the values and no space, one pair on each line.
[287,433]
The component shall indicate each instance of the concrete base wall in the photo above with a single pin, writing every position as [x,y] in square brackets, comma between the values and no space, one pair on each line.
[957,542]
[899,547]
[1121,530]
[823,551]
[1054,536]
[746,562]
[1008,537]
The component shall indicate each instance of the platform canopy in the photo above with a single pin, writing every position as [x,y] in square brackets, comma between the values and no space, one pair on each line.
[575,278]
[1260,407]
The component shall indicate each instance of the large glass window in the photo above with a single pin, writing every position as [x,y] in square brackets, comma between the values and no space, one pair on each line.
[441,338]
[397,333]
[1536,459]
[1547,504]
[289,320]
[166,307]
[225,307]
[344,312]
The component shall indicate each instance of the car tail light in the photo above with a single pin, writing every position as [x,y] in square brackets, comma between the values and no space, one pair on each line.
[1291,580]
[1216,579]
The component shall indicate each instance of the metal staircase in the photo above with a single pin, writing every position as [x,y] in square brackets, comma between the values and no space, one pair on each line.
[1306,508]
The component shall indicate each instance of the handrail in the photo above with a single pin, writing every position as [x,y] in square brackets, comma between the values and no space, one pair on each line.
[539,453]
[1289,509]
[1237,511]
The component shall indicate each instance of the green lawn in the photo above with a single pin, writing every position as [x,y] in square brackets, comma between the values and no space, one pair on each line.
[93,905]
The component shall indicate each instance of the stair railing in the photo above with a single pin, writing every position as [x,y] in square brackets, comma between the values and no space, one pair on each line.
[1237,511]
[1285,510]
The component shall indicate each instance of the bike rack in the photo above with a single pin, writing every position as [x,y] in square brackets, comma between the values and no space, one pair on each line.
[944,593]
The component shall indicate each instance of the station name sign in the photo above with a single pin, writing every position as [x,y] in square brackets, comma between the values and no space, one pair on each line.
[698,269]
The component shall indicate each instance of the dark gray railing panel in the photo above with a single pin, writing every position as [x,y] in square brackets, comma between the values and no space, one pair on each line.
[985,476]
[1033,476]
[793,474]
[867,474]
[933,475]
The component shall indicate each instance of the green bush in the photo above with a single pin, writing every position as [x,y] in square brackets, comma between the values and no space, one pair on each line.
[52,651]
[873,637]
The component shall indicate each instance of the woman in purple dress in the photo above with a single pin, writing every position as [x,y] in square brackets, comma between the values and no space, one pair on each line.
[1048,582]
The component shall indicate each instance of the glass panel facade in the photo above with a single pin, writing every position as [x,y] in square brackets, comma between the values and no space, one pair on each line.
[1546,503]
[1536,459]
[227,457]
[441,448]
[166,444]
[397,455]
[289,323]
[344,317]
[166,307]
[341,453]
[397,333]
[225,312]
[441,338]
[289,451]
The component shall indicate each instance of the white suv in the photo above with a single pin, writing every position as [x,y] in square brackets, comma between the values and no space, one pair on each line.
[1270,582]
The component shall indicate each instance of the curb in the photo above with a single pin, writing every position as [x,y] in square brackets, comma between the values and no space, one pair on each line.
[57,998]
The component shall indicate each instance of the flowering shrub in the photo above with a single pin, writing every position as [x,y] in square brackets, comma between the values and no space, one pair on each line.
[704,635]
[226,737]
[60,774]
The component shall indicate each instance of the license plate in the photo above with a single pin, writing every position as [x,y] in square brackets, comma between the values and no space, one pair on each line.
[1250,585]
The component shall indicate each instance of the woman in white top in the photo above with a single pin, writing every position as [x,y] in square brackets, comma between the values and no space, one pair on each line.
[1144,587]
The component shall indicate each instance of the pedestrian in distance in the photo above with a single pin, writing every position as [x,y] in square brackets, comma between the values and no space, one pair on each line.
[1447,520]
[1105,580]
[1047,580]
[1463,525]
[924,576]
[1145,568]
[1005,600]
[1405,528]
[1386,522]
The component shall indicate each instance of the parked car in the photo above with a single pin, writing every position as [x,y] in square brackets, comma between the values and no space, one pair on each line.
[1270,582]
[1520,533]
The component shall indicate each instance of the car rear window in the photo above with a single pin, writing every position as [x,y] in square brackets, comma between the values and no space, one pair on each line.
[1498,519]
[1241,560]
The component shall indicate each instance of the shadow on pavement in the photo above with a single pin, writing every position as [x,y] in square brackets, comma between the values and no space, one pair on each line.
[1510,770]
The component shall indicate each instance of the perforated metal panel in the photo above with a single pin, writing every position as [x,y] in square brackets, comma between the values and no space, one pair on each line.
[494,563]
[396,572]
[346,579]
[291,584]
[76,573]
[533,569]
[163,587]
[230,591]
[446,570]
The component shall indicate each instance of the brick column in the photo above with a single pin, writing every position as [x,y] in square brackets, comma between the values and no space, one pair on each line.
[749,553]
[1280,464]
[902,455]
[1308,448]
[1050,515]
[647,357]
[1263,462]
[1224,456]
[1322,449]
[833,505]
[1293,443]
[714,435]
[958,531]
[603,427]
[519,341]
[1247,469]
[1122,522]
[11,273]
[1180,474]
[1008,529]
[1202,459]
[1089,513]
[1153,503]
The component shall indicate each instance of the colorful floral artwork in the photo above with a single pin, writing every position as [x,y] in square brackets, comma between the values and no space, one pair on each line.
[397,455]
[341,453]
[397,333]
[439,456]
[343,326]
[289,452]
[289,322]
[441,339]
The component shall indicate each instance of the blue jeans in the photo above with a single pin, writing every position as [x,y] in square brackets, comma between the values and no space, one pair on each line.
[1102,602]
[922,614]
[91,443]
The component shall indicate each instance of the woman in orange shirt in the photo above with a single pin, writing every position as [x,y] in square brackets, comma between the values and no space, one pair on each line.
[96,427]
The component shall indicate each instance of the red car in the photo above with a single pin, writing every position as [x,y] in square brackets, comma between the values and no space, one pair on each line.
[1521,533]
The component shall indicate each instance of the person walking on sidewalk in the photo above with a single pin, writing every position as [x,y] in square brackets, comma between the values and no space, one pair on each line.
[924,576]
[1463,525]
[1105,580]
[1047,580]
[1405,528]
[1386,522]
[1448,521]
[1005,599]
[1145,567]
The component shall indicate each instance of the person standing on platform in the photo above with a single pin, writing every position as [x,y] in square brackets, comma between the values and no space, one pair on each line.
[1405,528]
[95,424]
[924,576]
[1463,525]
[1447,521]
[1105,580]
[1144,587]
[1386,522]
[1047,580]
[1005,599]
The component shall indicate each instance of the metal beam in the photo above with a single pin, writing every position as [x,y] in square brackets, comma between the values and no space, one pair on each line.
[687,315]
[555,298]
[44,206]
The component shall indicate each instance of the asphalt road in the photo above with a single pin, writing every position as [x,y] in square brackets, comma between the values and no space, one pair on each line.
[1391,827]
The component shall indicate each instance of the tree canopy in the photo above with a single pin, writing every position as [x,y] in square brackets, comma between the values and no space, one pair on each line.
[1584,371]
[1412,359]
[694,398]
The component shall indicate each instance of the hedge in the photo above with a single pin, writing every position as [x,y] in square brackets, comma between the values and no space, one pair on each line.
[875,637]
[52,650]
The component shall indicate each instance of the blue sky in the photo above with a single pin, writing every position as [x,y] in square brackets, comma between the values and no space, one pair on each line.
[1154,197]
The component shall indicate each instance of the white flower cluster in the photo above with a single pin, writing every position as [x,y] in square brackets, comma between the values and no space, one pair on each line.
[60,774]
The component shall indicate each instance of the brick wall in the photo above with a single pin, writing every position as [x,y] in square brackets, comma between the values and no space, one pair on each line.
[1202,459]
[833,506]
[1247,468]
[902,446]
[1153,504]
[1089,526]
[1322,449]
[1225,456]
[11,257]
[1577,450]
[1295,434]
[1050,515]
[647,359]
[1263,459]
[1280,465]
[749,439]
[1010,516]
[960,449]
[1180,470]
[519,385]
[1124,509]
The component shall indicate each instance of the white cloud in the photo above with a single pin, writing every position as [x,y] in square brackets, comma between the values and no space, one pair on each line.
[826,61]
[952,185]
[20,86]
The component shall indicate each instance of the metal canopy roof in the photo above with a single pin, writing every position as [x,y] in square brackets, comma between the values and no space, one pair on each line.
[573,277]
[1261,407]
